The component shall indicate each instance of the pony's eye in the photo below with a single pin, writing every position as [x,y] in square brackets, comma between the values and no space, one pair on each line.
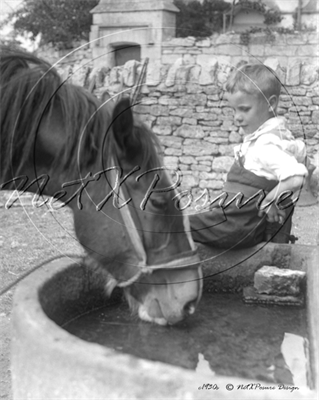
[158,203]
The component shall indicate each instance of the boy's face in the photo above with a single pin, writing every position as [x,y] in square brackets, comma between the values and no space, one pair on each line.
[251,110]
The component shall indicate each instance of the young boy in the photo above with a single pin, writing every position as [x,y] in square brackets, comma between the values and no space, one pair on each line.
[269,161]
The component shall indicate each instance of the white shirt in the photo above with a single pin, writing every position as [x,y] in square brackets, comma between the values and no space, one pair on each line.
[272,151]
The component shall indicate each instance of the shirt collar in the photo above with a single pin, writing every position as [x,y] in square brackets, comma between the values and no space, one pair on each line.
[269,125]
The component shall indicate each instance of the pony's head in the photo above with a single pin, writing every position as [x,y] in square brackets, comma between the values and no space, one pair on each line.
[107,167]
[148,249]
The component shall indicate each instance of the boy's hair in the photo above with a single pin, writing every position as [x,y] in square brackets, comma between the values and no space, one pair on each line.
[254,79]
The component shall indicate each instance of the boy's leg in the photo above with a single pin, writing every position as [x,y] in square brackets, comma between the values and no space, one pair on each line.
[229,227]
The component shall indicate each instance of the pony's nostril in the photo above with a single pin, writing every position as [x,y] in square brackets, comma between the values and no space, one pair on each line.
[190,308]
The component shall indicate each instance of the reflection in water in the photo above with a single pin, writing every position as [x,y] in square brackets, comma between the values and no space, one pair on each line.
[225,337]
[294,349]
[203,366]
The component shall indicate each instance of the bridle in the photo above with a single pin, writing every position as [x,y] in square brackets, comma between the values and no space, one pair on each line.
[190,259]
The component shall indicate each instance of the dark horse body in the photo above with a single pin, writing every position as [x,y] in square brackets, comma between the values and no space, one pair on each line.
[95,158]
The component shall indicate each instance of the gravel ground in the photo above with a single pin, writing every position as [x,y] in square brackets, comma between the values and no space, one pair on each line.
[31,235]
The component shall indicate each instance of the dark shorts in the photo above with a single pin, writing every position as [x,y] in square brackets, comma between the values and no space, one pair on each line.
[229,227]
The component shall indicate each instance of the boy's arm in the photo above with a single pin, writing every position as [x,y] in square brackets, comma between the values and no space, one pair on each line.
[274,214]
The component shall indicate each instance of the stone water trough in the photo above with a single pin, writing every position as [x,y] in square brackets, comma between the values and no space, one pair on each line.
[50,363]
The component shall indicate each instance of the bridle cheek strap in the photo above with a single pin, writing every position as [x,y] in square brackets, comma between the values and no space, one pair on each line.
[191,259]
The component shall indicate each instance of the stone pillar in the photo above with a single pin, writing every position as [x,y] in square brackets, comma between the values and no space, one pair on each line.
[146,23]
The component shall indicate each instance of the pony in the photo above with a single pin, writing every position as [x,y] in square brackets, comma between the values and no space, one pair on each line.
[57,139]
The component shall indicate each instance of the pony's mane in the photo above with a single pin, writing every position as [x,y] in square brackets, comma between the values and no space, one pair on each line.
[32,89]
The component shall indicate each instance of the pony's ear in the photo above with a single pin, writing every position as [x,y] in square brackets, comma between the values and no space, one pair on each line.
[122,124]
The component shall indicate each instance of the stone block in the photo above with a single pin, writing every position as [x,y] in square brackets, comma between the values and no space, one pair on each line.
[170,78]
[169,58]
[302,101]
[194,74]
[189,121]
[307,50]
[153,74]
[142,109]
[212,90]
[162,130]
[217,140]
[251,296]
[190,131]
[148,101]
[233,49]
[211,184]
[272,50]
[173,152]
[170,161]
[205,158]
[208,68]
[199,99]
[272,62]
[171,141]
[169,121]
[297,91]
[181,112]
[226,150]
[213,107]
[168,100]
[183,42]
[235,137]
[189,180]
[222,164]
[182,75]
[310,131]
[275,281]
[213,97]
[183,167]
[228,111]
[203,43]
[207,175]
[192,86]
[215,124]
[227,38]
[309,74]
[206,116]
[315,117]
[188,160]
[115,76]
[149,120]
[200,167]
[216,133]
[314,182]
[193,147]
[129,72]
[159,110]
[293,74]
[258,50]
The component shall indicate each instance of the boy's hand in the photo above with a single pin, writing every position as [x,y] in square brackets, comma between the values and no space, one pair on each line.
[273,214]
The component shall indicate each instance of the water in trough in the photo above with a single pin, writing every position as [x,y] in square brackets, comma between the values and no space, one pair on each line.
[224,337]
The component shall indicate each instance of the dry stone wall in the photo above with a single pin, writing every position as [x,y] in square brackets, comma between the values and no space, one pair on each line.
[182,98]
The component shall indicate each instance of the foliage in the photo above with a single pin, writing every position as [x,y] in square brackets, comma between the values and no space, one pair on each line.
[268,33]
[60,22]
[199,19]
[213,10]
[271,16]
[10,42]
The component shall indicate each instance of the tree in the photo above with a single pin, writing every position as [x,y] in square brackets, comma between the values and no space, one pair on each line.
[190,21]
[60,22]
[214,9]
[199,19]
